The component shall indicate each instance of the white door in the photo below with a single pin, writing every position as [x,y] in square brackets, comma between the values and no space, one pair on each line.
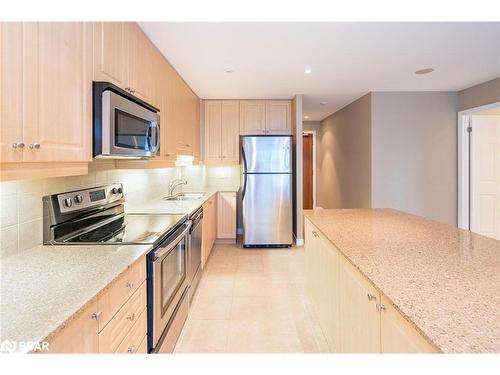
[485,175]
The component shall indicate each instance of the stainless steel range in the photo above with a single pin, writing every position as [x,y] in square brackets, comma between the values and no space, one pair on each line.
[96,216]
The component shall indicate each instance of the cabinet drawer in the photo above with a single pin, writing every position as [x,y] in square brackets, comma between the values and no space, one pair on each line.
[121,290]
[114,333]
[131,343]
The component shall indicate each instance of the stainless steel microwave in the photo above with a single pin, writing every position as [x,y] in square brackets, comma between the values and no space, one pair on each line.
[124,126]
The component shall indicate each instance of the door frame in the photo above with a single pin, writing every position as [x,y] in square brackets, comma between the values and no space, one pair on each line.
[463,122]
[313,132]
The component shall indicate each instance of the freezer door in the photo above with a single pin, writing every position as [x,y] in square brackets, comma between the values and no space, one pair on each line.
[267,209]
[268,154]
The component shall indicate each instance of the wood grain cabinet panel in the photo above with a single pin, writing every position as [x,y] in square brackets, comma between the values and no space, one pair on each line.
[213,131]
[121,324]
[132,342]
[230,131]
[209,230]
[111,300]
[279,117]
[11,91]
[140,65]
[398,335]
[226,215]
[252,117]
[110,52]
[79,336]
[57,87]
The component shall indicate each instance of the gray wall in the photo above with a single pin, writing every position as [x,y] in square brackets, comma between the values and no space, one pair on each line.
[482,94]
[315,126]
[344,166]
[414,153]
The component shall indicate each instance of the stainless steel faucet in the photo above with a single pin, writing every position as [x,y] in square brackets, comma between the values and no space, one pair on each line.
[174,183]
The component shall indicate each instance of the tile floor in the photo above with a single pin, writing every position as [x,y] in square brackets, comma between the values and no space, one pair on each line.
[252,301]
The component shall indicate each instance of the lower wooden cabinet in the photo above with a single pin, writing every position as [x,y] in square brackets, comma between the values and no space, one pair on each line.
[122,329]
[79,335]
[226,215]
[209,230]
[354,316]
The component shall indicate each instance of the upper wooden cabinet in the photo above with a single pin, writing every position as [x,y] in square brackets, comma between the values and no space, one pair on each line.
[46,92]
[139,58]
[279,117]
[265,117]
[221,131]
[187,118]
[252,117]
[110,52]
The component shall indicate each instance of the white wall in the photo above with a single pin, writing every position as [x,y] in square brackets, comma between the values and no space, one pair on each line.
[414,153]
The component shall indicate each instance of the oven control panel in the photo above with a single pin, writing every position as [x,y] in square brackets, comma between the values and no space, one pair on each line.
[89,198]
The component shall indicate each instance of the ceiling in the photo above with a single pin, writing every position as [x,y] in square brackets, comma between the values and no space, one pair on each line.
[347,60]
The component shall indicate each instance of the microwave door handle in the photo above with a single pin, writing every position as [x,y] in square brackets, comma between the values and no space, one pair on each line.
[154,146]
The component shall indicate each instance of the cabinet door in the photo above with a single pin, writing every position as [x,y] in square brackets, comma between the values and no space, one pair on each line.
[230,132]
[139,63]
[184,125]
[208,236]
[57,90]
[398,335]
[213,127]
[359,317]
[79,336]
[195,118]
[110,55]
[226,215]
[252,117]
[11,91]
[279,117]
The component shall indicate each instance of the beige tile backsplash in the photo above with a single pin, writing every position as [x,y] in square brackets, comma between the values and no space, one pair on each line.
[21,201]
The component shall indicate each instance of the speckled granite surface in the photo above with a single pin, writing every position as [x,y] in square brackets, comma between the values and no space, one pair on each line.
[161,206]
[45,287]
[445,280]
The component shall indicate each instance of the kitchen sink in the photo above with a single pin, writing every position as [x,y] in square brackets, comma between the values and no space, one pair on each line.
[184,197]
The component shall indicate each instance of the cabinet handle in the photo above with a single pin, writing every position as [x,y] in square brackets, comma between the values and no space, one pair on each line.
[96,316]
[131,317]
[371,297]
[130,285]
[131,349]
[35,146]
[18,145]
[315,233]
[127,89]
[169,154]
[380,307]
[188,145]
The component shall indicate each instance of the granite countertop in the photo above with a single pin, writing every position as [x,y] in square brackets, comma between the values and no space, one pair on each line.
[45,287]
[161,206]
[444,280]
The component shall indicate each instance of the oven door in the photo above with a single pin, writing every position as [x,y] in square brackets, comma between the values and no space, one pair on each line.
[167,268]
[128,129]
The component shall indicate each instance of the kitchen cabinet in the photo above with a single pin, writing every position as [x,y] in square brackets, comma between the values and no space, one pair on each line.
[226,215]
[265,117]
[110,52]
[46,99]
[252,117]
[279,117]
[397,334]
[139,63]
[79,335]
[187,119]
[209,230]
[359,317]
[322,276]
[354,315]
[221,132]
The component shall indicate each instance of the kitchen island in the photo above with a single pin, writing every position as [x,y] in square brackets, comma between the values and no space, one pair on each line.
[440,281]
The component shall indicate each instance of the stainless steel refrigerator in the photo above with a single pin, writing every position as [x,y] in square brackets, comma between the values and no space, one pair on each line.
[266,197]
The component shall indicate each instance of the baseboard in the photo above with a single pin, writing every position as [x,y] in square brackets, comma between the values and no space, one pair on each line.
[225,240]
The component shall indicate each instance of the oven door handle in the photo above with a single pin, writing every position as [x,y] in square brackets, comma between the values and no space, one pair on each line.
[173,243]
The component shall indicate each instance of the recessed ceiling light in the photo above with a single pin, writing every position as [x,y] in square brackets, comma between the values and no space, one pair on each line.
[308,71]
[323,103]
[425,71]
[306,117]
[229,69]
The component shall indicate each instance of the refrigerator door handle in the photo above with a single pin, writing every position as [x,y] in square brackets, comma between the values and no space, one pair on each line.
[244,172]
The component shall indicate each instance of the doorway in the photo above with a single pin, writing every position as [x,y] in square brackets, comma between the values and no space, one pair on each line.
[479,170]
[309,169]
